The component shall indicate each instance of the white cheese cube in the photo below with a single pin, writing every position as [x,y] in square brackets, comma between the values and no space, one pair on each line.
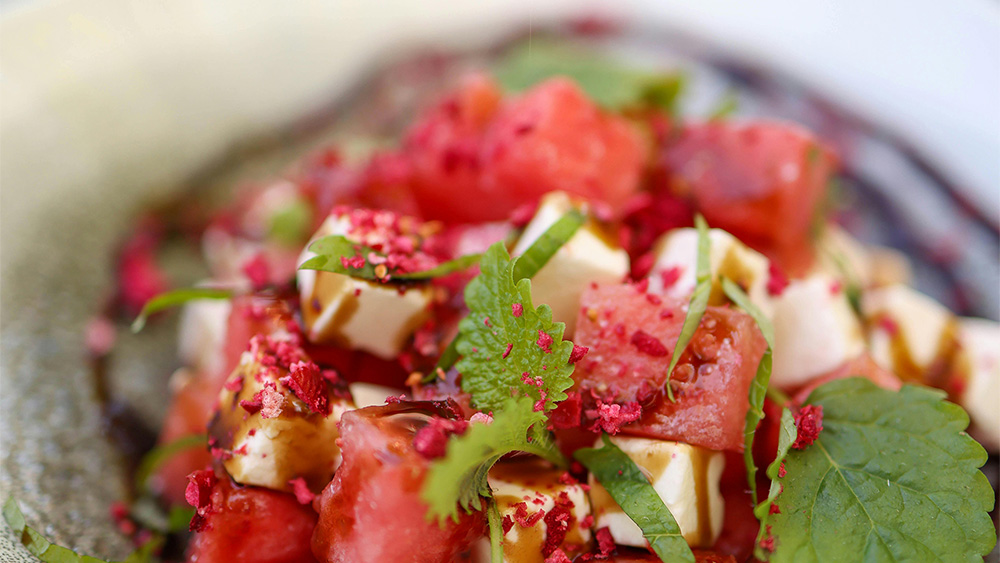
[203,326]
[370,395]
[815,330]
[280,438]
[355,313]
[979,357]
[686,478]
[676,255]
[910,334]
[889,267]
[588,257]
[525,492]
[842,256]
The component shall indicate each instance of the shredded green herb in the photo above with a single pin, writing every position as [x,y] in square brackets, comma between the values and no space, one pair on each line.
[632,491]
[48,552]
[759,385]
[160,454]
[699,299]
[174,298]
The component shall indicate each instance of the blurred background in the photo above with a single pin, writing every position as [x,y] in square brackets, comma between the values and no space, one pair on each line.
[107,106]
[141,94]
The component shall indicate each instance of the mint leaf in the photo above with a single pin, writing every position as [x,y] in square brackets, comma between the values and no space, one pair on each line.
[892,477]
[636,496]
[758,387]
[157,456]
[699,299]
[330,249]
[174,298]
[496,532]
[459,479]
[40,547]
[609,83]
[505,341]
[528,264]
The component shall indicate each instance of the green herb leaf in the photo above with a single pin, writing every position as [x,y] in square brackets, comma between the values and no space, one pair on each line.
[609,83]
[160,454]
[758,387]
[459,479]
[174,298]
[148,513]
[637,498]
[891,477]
[500,349]
[726,106]
[699,299]
[852,289]
[528,264]
[786,437]
[545,247]
[290,225]
[442,269]
[40,547]
[330,249]
[496,532]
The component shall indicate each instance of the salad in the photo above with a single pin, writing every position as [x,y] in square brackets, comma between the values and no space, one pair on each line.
[559,322]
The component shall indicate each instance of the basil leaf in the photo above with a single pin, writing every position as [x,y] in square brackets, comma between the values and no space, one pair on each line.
[609,83]
[442,269]
[758,387]
[786,437]
[496,532]
[891,477]
[177,297]
[699,299]
[545,247]
[330,249]
[290,225]
[40,547]
[160,454]
[637,498]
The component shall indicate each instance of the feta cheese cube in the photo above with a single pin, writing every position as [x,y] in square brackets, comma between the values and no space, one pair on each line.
[979,359]
[271,435]
[370,395]
[815,330]
[526,491]
[842,256]
[588,257]
[356,313]
[675,267]
[686,478]
[203,326]
[910,334]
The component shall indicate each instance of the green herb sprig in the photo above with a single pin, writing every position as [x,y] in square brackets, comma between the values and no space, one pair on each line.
[699,299]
